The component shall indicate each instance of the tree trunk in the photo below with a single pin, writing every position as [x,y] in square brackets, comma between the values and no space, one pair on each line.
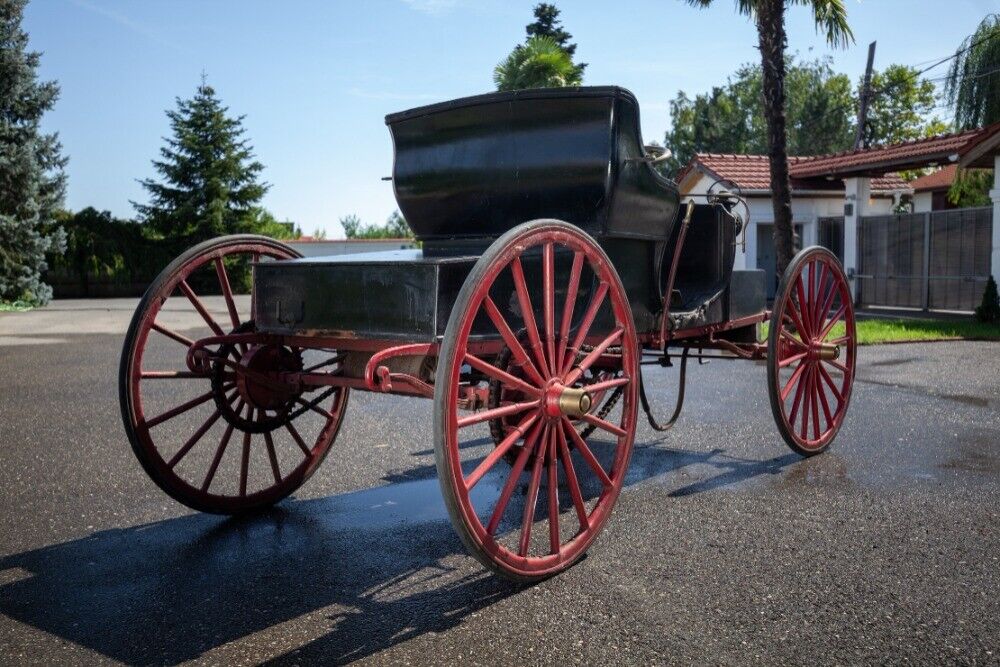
[771,39]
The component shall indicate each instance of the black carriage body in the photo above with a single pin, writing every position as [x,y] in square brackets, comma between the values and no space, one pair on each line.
[469,170]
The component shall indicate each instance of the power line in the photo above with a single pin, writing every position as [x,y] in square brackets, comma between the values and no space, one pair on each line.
[992,35]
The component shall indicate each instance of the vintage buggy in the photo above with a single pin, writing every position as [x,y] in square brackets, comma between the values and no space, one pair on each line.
[555,261]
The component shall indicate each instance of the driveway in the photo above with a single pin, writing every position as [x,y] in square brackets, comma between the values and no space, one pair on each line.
[724,548]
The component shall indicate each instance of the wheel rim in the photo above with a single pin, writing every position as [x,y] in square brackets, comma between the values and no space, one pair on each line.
[235,444]
[813,359]
[578,478]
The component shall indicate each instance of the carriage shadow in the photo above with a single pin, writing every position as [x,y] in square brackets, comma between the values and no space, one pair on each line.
[364,570]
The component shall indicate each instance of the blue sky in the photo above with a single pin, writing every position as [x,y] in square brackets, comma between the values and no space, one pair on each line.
[315,78]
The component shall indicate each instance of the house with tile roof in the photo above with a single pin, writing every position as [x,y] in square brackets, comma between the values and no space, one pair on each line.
[930,192]
[817,203]
[833,194]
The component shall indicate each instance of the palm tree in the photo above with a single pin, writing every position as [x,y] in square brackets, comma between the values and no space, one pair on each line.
[769,16]
[973,83]
[539,63]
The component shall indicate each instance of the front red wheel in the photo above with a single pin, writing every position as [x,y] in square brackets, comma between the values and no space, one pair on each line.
[537,514]
[811,351]
[214,436]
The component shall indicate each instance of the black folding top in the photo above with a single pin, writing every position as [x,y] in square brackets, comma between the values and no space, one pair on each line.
[477,166]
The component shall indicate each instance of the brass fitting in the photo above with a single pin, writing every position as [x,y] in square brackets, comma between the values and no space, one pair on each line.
[574,402]
[829,352]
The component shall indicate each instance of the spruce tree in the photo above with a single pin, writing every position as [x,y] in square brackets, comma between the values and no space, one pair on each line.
[32,182]
[209,178]
[548,24]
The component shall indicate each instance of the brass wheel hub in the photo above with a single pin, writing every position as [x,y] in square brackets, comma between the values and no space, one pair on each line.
[826,351]
[568,401]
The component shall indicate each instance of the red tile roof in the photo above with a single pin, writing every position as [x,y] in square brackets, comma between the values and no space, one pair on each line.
[942,148]
[936,180]
[752,172]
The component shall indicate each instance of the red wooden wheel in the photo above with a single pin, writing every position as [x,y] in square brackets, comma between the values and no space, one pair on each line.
[552,280]
[811,351]
[218,439]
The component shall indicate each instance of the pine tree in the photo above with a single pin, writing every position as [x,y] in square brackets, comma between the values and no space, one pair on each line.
[547,24]
[32,181]
[209,176]
[989,310]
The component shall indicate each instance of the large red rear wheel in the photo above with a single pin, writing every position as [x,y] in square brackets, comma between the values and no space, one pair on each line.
[216,438]
[551,280]
[811,351]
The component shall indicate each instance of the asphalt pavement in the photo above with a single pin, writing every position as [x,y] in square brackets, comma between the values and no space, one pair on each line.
[725,547]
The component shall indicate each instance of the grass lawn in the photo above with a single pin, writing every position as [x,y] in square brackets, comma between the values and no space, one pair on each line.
[875,331]
[14,306]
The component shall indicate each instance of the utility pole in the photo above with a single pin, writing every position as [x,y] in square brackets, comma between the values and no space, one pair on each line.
[865,97]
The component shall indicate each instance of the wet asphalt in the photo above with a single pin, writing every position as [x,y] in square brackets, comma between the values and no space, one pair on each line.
[726,548]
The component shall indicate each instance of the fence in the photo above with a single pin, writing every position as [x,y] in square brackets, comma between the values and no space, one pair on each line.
[938,260]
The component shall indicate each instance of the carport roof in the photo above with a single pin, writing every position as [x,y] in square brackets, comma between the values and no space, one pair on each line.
[970,148]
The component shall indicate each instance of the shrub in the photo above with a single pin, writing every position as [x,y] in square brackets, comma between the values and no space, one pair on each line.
[989,310]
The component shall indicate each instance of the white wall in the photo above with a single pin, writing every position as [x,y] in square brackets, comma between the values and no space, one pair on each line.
[922,202]
[806,210]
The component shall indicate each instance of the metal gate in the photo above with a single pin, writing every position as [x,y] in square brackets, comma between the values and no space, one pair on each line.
[938,260]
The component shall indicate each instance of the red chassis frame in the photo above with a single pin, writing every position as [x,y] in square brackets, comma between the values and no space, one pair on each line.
[378,377]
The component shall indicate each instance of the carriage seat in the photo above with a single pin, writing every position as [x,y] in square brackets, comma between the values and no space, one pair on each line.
[475,167]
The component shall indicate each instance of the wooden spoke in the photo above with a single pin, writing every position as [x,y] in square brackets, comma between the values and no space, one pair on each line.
[787,335]
[604,385]
[501,375]
[171,334]
[503,411]
[822,399]
[184,407]
[796,376]
[200,307]
[799,391]
[788,361]
[298,439]
[315,408]
[824,310]
[571,480]
[532,498]
[227,291]
[272,456]
[807,402]
[818,294]
[508,487]
[552,486]
[833,387]
[172,375]
[604,425]
[836,364]
[833,320]
[815,404]
[528,314]
[585,324]
[594,355]
[567,318]
[210,475]
[803,315]
[186,447]
[498,452]
[549,303]
[585,452]
[245,460]
[513,344]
